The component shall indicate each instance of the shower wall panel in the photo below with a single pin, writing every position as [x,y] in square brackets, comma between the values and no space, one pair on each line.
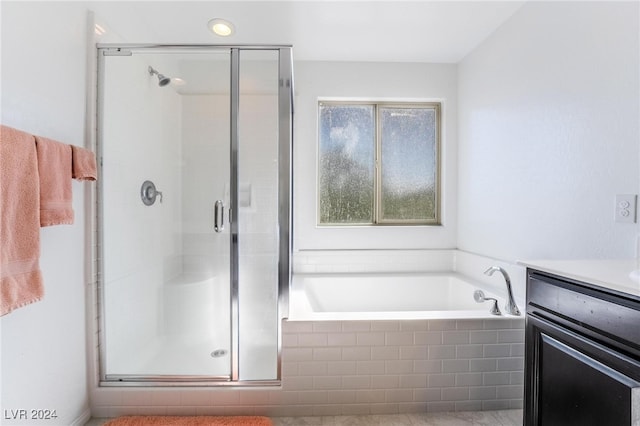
[258,240]
[205,153]
[142,133]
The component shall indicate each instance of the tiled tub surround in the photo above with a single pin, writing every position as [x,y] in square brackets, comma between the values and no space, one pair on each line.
[383,367]
[355,367]
[362,367]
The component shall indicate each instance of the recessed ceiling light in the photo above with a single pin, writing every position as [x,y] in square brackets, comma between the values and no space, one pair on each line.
[221,27]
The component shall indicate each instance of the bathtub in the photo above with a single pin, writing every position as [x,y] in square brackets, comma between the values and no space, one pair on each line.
[358,296]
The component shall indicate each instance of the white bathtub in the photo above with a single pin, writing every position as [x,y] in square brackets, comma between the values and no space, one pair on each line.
[345,296]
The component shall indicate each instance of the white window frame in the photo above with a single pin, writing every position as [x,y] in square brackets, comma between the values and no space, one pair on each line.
[377,204]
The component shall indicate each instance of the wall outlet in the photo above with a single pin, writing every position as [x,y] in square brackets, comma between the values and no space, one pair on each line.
[625,210]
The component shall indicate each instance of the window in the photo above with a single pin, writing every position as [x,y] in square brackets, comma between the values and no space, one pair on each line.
[379,163]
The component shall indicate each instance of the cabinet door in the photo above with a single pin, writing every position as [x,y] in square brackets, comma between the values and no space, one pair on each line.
[576,381]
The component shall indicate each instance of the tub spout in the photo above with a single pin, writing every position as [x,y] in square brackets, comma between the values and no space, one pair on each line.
[510,306]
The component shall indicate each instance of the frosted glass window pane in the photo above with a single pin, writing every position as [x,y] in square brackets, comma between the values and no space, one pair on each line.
[346,169]
[408,164]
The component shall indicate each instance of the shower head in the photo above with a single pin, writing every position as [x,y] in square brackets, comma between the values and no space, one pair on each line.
[162,79]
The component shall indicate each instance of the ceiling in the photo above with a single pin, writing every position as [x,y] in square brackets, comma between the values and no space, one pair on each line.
[385,31]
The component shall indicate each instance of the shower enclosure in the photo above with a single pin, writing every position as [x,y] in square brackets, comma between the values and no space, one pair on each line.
[194,146]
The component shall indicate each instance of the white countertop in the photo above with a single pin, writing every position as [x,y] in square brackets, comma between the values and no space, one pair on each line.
[621,275]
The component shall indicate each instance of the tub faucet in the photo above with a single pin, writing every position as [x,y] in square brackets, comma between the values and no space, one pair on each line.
[510,306]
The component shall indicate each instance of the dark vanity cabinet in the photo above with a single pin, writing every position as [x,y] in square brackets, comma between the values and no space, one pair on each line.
[582,359]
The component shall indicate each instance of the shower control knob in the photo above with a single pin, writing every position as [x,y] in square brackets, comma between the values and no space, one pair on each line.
[149,193]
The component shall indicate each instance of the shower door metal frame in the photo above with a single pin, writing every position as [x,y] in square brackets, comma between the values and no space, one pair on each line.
[285,191]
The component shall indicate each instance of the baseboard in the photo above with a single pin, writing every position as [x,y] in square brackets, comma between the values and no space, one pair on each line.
[83,419]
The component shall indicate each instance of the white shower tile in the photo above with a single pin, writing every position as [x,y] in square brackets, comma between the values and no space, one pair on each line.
[510,392]
[455,394]
[297,383]
[196,397]
[356,353]
[469,406]
[342,397]
[341,339]
[107,397]
[327,326]
[312,339]
[427,394]
[471,324]
[283,397]
[340,368]
[441,325]
[455,337]
[356,326]
[517,349]
[370,367]
[382,411]
[427,366]
[165,398]
[289,340]
[399,395]
[312,368]
[510,336]
[370,339]
[413,381]
[416,325]
[327,354]
[496,378]
[428,338]
[136,397]
[211,411]
[469,351]
[516,377]
[370,396]
[483,336]
[455,366]
[413,352]
[356,382]
[468,379]
[385,352]
[478,365]
[482,393]
[298,354]
[442,352]
[351,410]
[289,368]
[313,397]
[497,350]
[441,380]
[410,408]
[496,405]
[399,338]
[329,382]
[399,367]
[386,325]
[510,364]
[297,326]
[385,382]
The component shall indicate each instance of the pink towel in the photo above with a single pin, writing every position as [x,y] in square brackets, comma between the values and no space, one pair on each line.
[54,167]
[20,277]
[83,164]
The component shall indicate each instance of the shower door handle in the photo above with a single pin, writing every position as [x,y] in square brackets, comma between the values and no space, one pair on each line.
[218,216]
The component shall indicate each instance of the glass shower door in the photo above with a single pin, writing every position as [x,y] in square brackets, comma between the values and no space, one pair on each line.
[194,212]
[165,200]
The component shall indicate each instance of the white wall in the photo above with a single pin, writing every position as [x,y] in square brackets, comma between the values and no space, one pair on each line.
[548,133]
[43,92]
[377,81]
